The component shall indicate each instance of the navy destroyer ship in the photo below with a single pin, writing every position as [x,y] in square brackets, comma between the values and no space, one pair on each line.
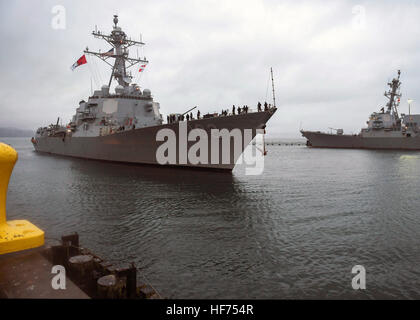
[386,129]
[122,126]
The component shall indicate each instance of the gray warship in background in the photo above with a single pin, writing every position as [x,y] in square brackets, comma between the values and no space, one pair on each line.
[122,126]
[386,129]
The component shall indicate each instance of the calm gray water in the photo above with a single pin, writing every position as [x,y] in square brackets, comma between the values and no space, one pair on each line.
[295,231]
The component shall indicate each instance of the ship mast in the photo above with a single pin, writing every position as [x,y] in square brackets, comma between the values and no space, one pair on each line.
[394,96]
[120,44]
[272,84]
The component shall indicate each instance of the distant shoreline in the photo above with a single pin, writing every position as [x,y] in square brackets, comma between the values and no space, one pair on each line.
[15,133]
[15,137]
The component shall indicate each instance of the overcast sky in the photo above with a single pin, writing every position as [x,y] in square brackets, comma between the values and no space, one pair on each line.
[331,59]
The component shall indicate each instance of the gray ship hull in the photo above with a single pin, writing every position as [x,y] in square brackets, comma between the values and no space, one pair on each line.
[326,140]
[139,146]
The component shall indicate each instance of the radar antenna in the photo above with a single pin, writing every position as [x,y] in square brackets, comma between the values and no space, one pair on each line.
[120,44]
[394,96]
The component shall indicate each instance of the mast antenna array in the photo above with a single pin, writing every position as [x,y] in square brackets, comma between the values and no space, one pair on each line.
[394,95]
[120,44]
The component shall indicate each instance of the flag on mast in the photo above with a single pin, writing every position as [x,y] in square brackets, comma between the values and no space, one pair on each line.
[109,53]
[142,67]
[79,62]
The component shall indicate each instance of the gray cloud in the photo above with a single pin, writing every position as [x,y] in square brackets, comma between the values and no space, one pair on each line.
[213,54]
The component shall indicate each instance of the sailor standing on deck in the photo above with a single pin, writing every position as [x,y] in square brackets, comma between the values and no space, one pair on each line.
[259,106]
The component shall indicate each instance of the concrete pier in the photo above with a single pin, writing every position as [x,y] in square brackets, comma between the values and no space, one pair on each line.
[27,275]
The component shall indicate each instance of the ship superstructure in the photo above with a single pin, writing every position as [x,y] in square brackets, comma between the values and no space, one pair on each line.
[386,129]
[122,125]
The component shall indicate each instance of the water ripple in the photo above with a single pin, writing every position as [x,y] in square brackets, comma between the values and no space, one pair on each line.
[293,232]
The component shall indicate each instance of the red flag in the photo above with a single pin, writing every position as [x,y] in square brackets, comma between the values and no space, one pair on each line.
[142,67]
[79,62]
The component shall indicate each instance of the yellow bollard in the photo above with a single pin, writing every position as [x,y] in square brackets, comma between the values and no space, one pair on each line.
[15,235]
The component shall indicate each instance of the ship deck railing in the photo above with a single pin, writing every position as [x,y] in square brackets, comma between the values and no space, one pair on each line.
[216,115]
[122,96]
